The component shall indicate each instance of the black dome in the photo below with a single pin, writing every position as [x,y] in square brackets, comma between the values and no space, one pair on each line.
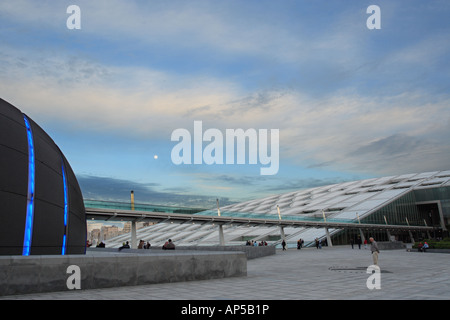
[41,206]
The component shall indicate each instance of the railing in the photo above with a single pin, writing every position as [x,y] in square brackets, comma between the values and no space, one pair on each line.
[101,204]
[273,217]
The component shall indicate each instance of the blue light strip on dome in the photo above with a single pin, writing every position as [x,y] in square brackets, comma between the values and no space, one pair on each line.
[30,197]
[66,211]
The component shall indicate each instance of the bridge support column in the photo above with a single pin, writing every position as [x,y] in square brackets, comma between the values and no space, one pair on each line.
[283,235]
[329,243]
[221,236]
[411,236]
[389,235]
[133,244]
[363,238]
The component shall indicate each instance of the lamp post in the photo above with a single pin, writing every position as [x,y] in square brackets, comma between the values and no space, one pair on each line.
[221,236]
[283,235]
[133,225]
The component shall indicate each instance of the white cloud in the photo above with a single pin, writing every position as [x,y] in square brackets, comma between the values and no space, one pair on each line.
[221,28]
[151,103]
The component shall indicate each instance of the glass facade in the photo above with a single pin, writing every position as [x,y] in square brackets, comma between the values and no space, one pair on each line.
[99,204]
[399,212]
[441,194]
[418,208]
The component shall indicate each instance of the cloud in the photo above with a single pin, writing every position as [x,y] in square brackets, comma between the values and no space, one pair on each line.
[395,145]
[112,189]
[299,184]
[232,180]
[337,107]
[345,131]
[93,96]
[220,27]
[338,130]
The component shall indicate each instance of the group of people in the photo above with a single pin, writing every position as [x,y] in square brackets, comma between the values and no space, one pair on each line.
[423,246]
[300,243]
[319,243]
[256,243]
[143,245]
[99,245]
[358,242]
[373,247]
[169,245]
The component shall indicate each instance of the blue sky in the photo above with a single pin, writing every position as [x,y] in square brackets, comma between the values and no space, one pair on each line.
[350,103]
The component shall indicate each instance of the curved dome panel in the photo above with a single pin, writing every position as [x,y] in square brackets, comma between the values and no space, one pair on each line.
[41,204]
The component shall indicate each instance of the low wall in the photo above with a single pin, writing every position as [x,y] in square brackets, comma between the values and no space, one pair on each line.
[250,251]
[430,250]
[389,245]
[33,274]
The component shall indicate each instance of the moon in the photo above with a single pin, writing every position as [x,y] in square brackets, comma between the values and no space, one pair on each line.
[155,156]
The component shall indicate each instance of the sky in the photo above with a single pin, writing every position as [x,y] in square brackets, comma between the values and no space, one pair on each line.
[349,102]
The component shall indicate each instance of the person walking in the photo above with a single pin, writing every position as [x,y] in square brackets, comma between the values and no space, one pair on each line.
[359,242]
[375,251]
[299,244]
[124,246]
[284,245]
[169,245]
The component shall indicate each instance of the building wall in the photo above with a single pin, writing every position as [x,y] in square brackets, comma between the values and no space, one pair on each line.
[441,194]
[37,188]
[399,212]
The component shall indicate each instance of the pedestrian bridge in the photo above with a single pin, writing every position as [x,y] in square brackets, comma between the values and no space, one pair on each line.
[240,218]
[219,220]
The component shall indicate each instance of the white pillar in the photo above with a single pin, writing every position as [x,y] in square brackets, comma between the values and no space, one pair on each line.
[363,238]
[389,235]
[411,236]
[133,244]
[441,217]
[283,236]
[428,232]
[221,236]
[330,244]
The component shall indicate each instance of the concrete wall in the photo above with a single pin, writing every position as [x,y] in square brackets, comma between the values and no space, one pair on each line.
[390,245]
[250,252]
[431,250]
[21,275]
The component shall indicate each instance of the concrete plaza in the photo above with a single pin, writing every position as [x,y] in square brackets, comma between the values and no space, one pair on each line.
[332,273]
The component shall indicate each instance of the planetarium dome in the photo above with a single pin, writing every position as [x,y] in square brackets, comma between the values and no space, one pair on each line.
[41,205]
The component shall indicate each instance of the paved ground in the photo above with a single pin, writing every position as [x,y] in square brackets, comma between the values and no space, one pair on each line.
[331,273]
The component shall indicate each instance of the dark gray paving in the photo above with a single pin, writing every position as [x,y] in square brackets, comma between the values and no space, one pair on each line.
[330,273]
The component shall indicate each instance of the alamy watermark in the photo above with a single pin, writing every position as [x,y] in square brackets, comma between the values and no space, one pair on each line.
[232,147]
[74,280]
[74,20]
[374,280]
